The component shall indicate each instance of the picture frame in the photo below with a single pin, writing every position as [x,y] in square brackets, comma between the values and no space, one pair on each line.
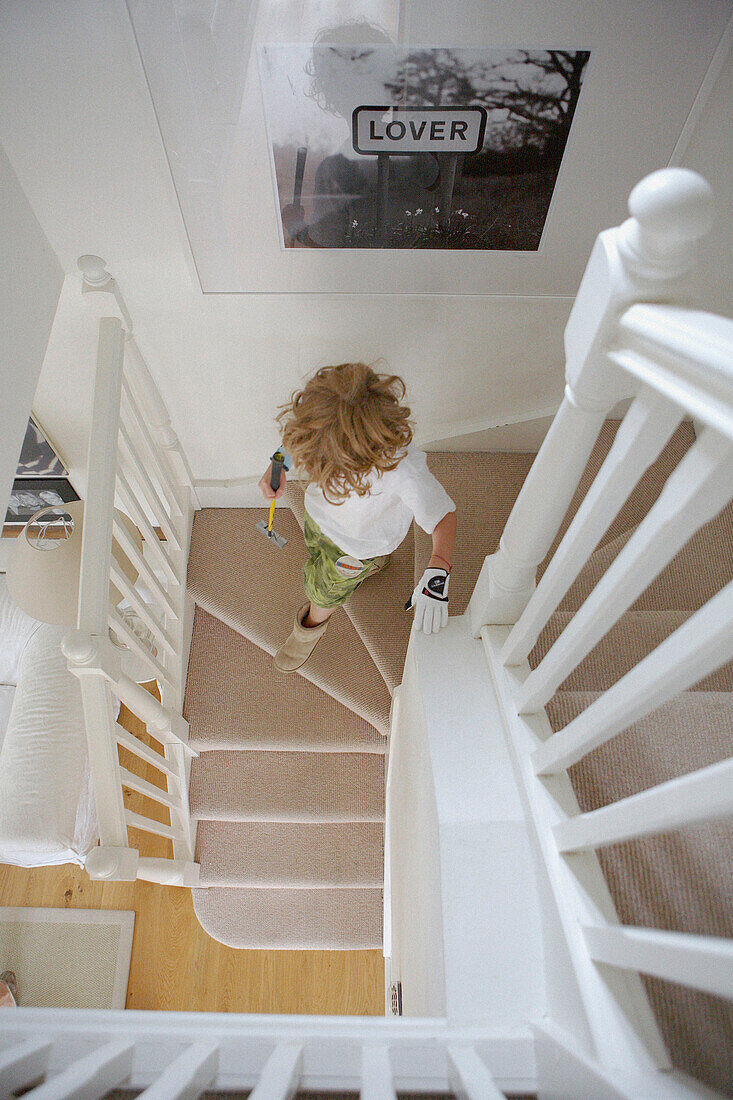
[38,457]
[30,494]
[41,479]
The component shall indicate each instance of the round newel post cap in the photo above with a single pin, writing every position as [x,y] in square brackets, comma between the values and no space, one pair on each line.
[94,270]
[674,206]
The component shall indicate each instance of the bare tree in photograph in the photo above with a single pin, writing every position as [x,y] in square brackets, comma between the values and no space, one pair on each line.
[543,108]
[432,78]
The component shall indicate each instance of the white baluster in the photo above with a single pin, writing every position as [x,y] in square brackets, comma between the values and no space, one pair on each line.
[280,1077]
[694,493]
[155,670]
[156,414]
[133,597]
[645,429]
[469,1076]
[134,419]
[377,1082]
[150,756]
[23,1065]
[162,724]
[142,786]
[703,795]
[648,258]
[132,464]
[91,1077]
[702,644]
[131,505]
[149,825]
[701,962]
[188,1076]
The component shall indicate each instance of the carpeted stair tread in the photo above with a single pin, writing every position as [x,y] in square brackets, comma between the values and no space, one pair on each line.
[645,492]
[377,608]
[632,638]
[296,920]
[484,487]
[291,855]
[695,728]
[695,574]
[287,786]
[236,575]
[235,700]
[680,881]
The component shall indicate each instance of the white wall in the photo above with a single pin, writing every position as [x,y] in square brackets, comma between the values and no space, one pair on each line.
[710,153]
[30,281]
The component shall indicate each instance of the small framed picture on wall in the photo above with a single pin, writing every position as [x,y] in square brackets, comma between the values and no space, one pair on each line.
[41,479]
[30,494]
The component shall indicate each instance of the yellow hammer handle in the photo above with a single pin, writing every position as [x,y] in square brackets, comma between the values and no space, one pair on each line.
[272,513]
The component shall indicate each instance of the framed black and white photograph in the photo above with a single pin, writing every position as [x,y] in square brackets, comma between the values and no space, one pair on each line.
[30,494]
[382,146]
[41,479]
[37,457]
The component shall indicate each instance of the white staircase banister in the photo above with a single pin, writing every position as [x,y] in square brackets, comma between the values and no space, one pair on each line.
[377,1082]
[644,431]
[187,1076]
[702,644]
[96,544]
[22,1064]
[703,795]
[135,463]
[470,1079]
[648,258]
[694,493]
[91,1077]
[685,354]
[700,962]
[281,1074]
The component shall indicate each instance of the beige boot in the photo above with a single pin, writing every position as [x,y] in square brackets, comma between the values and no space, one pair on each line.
[301,643]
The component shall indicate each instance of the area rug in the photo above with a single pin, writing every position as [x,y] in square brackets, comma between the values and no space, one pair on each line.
[67,958]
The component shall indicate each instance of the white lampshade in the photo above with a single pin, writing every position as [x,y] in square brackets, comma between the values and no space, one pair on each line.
[43,576]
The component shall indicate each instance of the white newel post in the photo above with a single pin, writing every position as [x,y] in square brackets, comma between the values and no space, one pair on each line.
[649,258]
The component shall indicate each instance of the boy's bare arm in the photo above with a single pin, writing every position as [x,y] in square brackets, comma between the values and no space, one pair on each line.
[444,539]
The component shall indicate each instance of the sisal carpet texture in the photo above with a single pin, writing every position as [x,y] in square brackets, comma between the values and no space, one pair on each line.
[288,789]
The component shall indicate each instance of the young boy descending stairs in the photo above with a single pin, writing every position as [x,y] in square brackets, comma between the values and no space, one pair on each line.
[348,431]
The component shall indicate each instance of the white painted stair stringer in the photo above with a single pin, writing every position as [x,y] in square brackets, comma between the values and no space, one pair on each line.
[466,938]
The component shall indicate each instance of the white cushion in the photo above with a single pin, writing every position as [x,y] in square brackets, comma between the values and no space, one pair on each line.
[7,693]
[46,804]
[15,629]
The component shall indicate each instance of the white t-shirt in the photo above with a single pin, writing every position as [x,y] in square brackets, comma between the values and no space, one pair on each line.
[369,526]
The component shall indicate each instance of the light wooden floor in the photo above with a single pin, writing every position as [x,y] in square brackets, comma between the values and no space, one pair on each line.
[177,966]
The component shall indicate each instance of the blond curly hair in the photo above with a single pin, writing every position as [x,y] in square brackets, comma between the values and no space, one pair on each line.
[346,422]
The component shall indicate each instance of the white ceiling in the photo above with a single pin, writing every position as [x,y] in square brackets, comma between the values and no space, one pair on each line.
[478,336]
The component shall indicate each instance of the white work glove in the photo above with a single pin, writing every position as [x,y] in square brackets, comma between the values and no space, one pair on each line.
[430,600]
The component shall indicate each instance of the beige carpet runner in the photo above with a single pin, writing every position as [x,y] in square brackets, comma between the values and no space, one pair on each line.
[289,786]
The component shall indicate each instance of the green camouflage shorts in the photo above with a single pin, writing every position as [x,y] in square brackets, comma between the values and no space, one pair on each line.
[325,583]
